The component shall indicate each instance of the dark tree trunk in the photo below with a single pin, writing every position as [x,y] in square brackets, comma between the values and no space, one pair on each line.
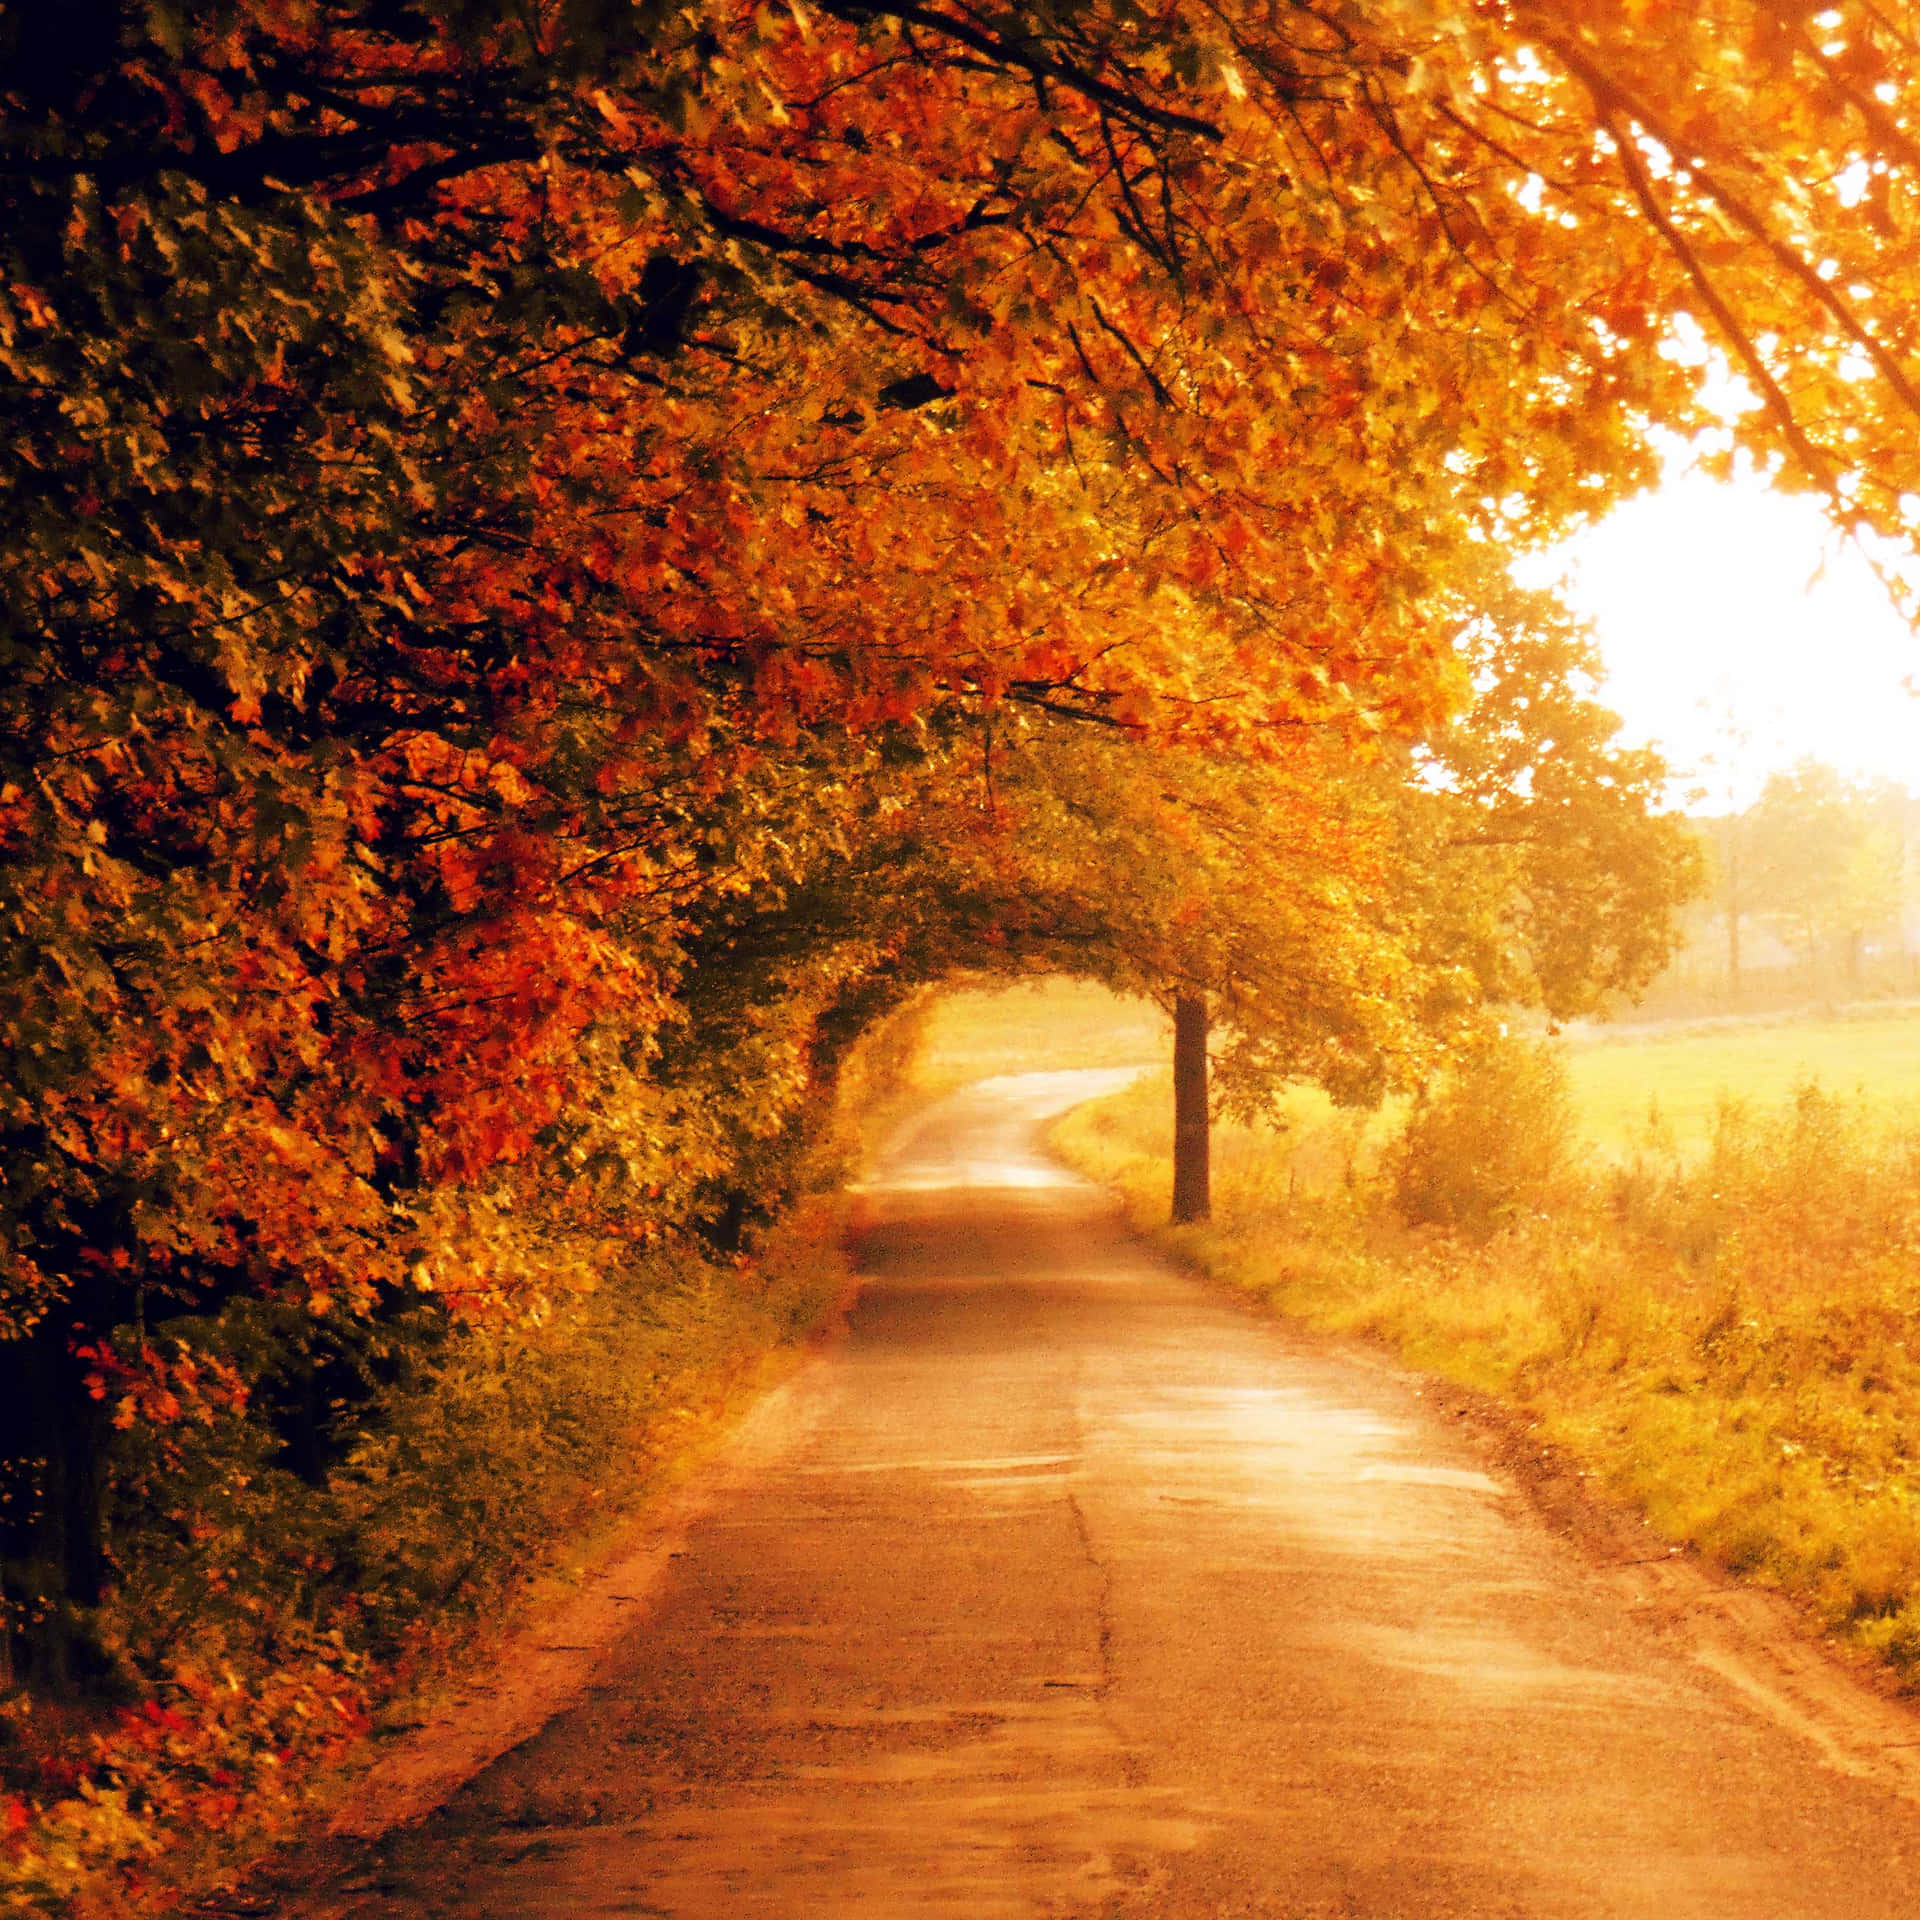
[1192,1175]
[728,1233]
[300,1419]
[52,1549]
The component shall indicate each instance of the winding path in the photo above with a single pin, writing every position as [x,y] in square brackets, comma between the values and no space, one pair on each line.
[1063,1587]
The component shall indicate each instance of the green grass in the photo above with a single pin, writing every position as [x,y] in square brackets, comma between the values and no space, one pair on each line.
[1686,1072]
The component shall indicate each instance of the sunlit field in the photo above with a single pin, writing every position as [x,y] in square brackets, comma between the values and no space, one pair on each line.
[1619,1077]
[1036,1026]
[1628,1085]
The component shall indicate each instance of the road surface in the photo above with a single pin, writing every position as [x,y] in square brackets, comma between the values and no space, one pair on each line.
[1063,1586]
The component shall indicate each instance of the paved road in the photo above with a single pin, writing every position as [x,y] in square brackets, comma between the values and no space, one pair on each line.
[1063,1587]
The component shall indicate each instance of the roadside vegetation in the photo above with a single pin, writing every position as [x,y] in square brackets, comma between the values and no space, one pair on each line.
[264,1628]
[1720,1321]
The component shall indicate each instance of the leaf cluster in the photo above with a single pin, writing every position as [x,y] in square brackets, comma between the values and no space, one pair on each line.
[558,559]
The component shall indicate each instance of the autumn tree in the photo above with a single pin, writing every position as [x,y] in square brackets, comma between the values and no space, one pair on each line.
[1361,928]
[504,506]
[1553,864]
[1350,921]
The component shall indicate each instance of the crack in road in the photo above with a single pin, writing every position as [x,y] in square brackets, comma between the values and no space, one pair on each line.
[1103,1597]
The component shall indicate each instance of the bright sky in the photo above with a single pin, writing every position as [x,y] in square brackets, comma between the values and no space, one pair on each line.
[1727,604]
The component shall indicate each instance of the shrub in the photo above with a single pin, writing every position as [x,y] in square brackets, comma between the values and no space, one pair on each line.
[1492,1141]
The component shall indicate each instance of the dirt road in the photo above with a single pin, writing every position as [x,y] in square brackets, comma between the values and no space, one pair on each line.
[1063,1587]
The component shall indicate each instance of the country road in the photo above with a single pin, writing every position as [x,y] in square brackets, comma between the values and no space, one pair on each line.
[1062,1586]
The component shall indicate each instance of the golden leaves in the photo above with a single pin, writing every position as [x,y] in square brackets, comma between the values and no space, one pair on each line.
[512,572]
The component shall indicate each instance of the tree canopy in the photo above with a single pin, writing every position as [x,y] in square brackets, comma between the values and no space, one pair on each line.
[560,555]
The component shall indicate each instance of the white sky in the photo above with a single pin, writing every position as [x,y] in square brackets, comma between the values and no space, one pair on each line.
[1717,604]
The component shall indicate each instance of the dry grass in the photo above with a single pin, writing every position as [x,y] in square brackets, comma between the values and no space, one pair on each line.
[973,1032]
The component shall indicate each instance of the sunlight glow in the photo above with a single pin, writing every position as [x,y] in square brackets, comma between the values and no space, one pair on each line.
[1740,633]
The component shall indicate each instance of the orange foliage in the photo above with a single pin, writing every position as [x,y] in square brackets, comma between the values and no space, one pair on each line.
[520,523]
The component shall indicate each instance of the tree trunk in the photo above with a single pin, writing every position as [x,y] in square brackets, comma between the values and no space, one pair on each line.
[52,1557]
[1192,1177]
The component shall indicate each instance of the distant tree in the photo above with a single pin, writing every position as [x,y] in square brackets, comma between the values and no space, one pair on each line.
[1724,844]
[1722,835]
[1825,867]
[1892,810]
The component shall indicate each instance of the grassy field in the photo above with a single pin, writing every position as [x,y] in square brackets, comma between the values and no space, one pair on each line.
[1627,1083]
[1617,1075]
[1035,1026]
[1683,1073]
